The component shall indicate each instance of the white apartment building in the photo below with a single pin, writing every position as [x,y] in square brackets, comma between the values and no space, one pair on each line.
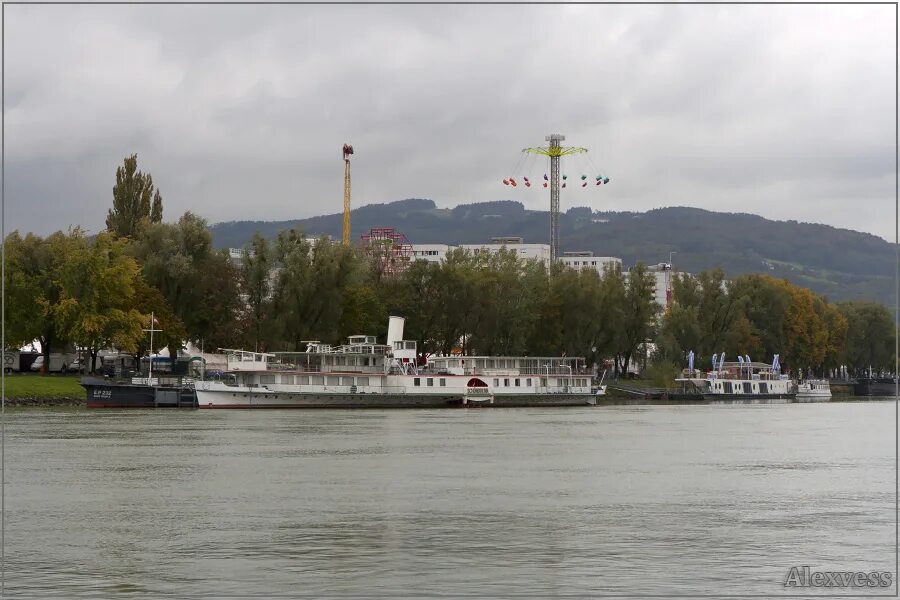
[663,275]
[437,252]
[586,260]
[540,252]
[431,252]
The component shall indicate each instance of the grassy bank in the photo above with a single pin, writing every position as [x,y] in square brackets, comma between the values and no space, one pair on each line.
[44,387]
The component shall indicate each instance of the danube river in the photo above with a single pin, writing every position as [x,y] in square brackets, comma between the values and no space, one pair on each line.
[661,500]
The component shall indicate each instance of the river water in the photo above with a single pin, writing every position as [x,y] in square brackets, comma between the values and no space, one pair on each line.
[662,500]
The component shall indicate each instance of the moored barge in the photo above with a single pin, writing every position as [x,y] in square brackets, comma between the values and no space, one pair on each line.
[140,392]
[742,381]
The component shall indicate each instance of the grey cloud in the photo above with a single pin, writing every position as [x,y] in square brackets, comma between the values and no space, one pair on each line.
[239,112]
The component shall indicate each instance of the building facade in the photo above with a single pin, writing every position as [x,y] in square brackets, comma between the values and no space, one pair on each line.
[586,260]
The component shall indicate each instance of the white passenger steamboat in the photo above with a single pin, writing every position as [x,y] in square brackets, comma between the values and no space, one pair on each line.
[743,380]
[364,373]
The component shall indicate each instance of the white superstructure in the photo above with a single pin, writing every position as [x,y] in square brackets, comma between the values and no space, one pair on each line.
[364,373]
[814,389]
[742,380]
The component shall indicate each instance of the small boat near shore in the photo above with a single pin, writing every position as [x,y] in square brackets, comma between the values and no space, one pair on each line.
[813,390]
[366,374]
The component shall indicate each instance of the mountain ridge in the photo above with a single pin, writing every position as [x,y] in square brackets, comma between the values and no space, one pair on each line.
[841,264]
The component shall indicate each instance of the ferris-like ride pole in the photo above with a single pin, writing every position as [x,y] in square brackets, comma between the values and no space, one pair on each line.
[555,151]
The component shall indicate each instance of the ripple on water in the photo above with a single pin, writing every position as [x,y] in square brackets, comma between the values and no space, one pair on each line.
[612,500]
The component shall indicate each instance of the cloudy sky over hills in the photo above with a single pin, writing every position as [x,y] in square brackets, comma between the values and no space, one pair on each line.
[239,112]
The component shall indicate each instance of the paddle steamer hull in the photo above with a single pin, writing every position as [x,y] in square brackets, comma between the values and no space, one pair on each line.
[240,399]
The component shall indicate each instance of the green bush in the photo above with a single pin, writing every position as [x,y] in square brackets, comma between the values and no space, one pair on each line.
[662,373]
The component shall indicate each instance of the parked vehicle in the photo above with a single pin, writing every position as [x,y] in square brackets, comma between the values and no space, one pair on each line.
[11,361]
[116,365]
[59,363]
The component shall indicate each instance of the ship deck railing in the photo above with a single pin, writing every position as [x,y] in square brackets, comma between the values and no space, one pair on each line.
[400,390]
[163,380]
[511,372]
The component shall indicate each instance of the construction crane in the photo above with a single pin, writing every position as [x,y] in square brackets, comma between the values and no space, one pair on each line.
[348,150]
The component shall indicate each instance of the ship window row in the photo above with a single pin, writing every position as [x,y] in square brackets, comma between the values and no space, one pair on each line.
[313,380]
[429,381]
[746,387]
[350,361]
[517,382]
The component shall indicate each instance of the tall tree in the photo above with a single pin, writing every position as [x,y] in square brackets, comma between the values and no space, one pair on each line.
[765,303]
[96,307]
[309,288]
[200,285]
[508,289]
[256,287]
[148,300]
[870,336]
[24,263]
[639,311]
[135,203]
[416,294]
[36,282]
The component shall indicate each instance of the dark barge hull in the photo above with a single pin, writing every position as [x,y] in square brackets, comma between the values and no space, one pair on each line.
[109,394]
[875,387]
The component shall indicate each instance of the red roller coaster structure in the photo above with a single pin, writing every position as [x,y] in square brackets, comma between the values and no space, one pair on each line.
[389,247]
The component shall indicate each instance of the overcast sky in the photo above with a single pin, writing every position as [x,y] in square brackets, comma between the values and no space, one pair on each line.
[240,112]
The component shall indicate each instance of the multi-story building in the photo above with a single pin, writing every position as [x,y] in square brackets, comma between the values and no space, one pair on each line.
[431,252]
[586,260]
[663,276]
[437,252]
[539,252]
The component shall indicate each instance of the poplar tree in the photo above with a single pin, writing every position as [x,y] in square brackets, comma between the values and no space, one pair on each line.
[135,202]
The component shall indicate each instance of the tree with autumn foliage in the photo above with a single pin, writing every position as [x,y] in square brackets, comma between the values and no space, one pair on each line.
[755,315]
[96,309]
[69,289]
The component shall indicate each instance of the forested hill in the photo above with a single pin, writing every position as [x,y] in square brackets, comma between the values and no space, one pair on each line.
[839,263]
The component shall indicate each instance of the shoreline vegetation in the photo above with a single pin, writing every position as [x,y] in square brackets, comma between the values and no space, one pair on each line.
[70,290]
[64,391]
[50,390]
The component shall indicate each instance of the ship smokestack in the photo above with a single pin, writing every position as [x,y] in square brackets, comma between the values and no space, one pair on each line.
[395,330]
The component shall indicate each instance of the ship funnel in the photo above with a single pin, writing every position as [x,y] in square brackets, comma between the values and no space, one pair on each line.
[395,330]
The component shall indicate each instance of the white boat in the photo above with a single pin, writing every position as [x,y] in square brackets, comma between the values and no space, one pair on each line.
[364,373]
[600,390]
[813,390]
[742,381]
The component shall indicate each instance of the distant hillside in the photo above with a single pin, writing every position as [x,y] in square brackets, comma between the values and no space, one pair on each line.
[839,263]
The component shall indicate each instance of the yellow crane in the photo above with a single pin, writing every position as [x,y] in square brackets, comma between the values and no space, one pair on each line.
[348,150]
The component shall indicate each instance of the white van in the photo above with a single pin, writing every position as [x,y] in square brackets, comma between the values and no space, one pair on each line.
[59,363]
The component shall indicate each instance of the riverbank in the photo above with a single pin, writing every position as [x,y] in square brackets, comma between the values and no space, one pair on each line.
[44,390]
